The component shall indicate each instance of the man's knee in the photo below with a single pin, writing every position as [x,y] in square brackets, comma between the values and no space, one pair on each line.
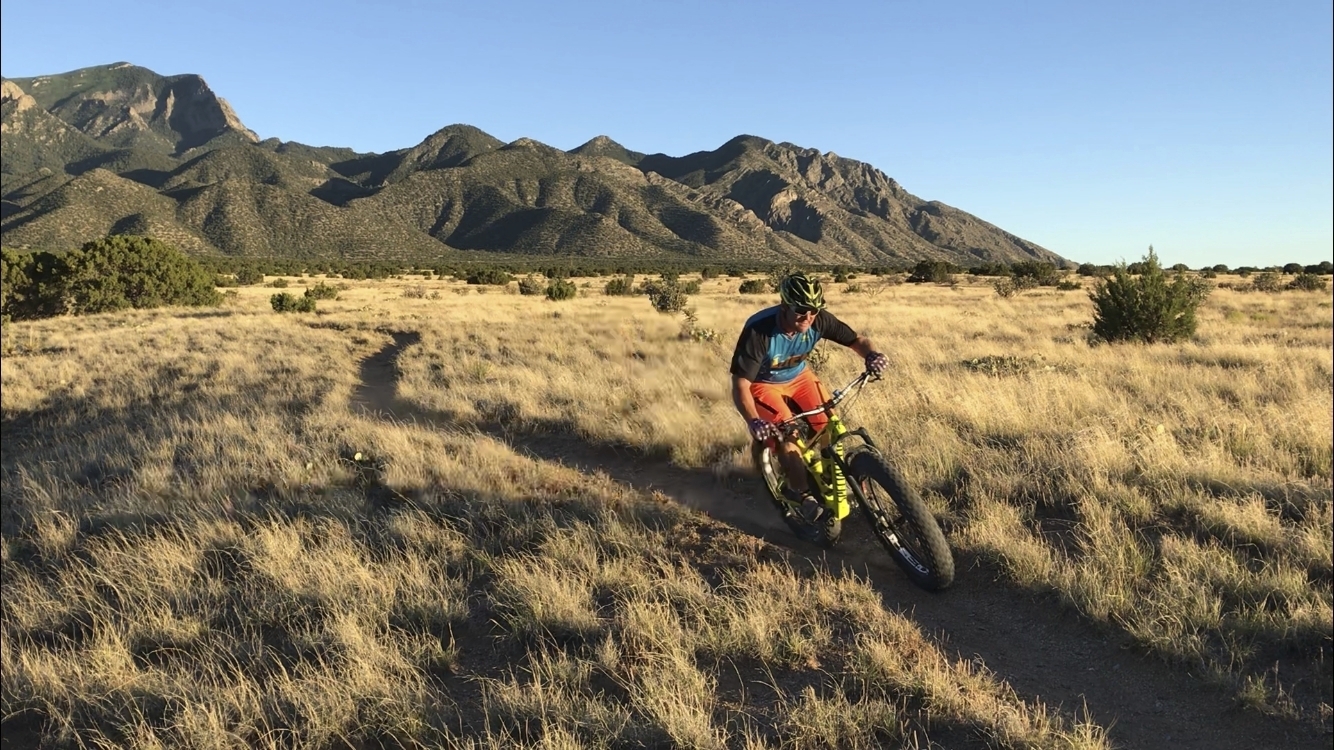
[789,447]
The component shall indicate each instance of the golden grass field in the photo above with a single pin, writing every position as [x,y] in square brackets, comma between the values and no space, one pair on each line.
[233,528]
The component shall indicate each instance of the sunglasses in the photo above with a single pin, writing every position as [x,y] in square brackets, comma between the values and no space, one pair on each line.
[803,310]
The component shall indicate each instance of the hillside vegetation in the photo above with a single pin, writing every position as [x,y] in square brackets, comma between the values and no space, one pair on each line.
[183,164]
[383,524]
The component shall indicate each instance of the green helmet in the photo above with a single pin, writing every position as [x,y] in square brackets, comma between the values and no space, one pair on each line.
[799,290]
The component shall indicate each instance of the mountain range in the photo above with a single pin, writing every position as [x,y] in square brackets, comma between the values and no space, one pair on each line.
[121,149]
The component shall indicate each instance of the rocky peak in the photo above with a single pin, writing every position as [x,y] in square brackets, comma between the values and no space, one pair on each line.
[450,146]
[191,109]
[123,105]
[10,92]
[603,146]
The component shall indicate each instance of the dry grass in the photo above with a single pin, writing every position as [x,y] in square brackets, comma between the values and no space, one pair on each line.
[207,542]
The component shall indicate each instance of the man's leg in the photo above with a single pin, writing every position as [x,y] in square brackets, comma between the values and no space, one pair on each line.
[806,393]
[770,400]
[794,467]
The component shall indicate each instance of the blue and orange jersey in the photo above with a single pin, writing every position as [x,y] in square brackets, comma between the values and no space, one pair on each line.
[764,354]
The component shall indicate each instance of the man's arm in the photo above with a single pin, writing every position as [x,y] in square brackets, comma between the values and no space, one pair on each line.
[862,346]
[839,332]
[742,398]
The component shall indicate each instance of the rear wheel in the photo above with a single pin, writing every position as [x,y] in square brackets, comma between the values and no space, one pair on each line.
[824,532]
[902,522]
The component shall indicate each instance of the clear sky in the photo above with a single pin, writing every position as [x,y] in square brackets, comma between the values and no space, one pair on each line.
[1093,129]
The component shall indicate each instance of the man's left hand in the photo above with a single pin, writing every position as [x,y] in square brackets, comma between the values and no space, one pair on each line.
[876,363]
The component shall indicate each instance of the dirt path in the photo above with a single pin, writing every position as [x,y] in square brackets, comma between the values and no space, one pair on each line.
[1042,651]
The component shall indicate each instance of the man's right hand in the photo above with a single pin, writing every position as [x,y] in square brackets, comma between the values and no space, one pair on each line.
[762,430]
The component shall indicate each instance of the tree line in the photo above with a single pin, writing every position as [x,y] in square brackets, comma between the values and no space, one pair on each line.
[124,271]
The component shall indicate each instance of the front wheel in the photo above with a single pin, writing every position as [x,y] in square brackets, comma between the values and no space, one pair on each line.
[902,522]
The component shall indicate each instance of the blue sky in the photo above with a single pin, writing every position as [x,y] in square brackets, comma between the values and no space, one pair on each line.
[1093,129]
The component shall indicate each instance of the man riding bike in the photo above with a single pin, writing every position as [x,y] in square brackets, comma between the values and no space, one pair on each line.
[769,371]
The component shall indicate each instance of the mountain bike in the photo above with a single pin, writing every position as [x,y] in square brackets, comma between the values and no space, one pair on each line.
[901,521]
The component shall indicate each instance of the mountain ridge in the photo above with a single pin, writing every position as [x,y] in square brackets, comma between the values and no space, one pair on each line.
[184,164]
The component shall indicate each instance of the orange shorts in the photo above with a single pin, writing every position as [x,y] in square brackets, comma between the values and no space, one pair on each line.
[805,391]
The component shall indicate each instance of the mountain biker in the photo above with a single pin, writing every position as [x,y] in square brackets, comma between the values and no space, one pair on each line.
[769,371]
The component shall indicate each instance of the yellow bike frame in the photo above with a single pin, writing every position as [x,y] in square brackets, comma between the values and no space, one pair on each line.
[831,484]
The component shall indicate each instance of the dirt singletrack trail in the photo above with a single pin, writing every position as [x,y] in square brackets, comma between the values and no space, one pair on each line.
[1041,650]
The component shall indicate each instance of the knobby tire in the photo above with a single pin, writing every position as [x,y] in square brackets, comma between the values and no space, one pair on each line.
[896,511]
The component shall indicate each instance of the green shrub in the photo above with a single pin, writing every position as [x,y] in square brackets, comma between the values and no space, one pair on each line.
[990,269]
[322,291]
[691,329]
[249,276]
[1146,307]
[1267,281]
[560,289]
[1010,286]
[278,283]
[776,276]
[755,286]
[935,271]
[708,272]
[14,281]
[490,276]
[533,285]
[113,273]
[1068,285]
[17,288]
[287,302]
[667,282]
[1308,282]
[1041,272]
[620,287]
[669,299]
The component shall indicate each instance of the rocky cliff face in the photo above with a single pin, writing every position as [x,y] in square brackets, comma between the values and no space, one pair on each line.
[32,138]
[123,106]
[11,93]
[191,109]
